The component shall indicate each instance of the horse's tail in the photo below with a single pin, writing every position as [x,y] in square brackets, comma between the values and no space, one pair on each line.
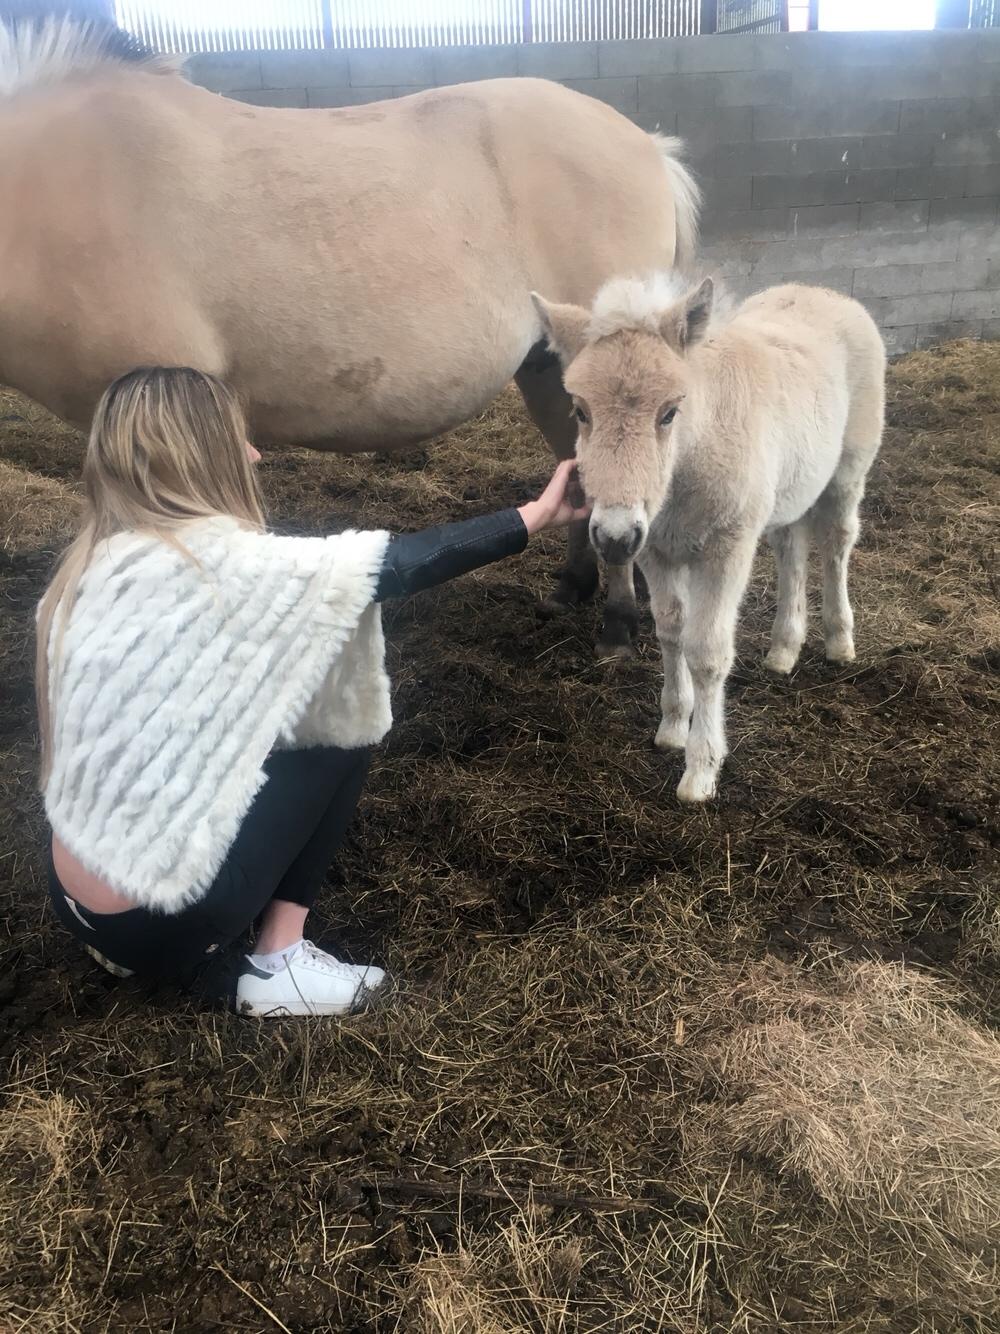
[686,195]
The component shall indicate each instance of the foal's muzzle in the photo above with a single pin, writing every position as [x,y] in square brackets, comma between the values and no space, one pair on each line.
[617,533]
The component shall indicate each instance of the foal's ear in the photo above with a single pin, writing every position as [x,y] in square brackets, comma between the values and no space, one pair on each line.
[687,323]
[565,327]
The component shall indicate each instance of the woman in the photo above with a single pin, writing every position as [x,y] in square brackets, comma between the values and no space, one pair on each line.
[208,693]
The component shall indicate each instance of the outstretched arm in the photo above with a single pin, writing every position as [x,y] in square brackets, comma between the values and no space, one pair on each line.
[415,561]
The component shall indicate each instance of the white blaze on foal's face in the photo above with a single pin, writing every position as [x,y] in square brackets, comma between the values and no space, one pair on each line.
[625,366]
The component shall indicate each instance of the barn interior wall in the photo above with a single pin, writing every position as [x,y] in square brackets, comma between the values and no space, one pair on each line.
[869,162]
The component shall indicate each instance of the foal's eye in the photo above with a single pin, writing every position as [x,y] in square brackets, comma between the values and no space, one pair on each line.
[668,416]
[581,416]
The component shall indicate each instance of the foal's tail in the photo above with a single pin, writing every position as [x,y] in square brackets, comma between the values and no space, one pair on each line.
[687,198]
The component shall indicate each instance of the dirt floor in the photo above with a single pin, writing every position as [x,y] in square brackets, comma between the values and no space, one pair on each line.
[646,1067]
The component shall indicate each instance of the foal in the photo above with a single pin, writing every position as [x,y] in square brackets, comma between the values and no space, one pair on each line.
[694,441]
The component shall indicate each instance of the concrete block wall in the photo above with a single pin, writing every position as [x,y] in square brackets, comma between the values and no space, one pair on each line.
[869,162]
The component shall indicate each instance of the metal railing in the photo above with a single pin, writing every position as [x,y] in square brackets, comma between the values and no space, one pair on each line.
[185,26]
[249,25]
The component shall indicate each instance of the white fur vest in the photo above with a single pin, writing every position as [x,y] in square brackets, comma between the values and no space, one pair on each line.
[176,677]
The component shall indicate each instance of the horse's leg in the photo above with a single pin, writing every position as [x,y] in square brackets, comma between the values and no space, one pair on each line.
[621,615]
[835,522]
[550,408]
[716,583]
[667,599]
[791,552]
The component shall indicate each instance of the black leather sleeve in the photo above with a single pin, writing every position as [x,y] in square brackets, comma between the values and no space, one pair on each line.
[415,561]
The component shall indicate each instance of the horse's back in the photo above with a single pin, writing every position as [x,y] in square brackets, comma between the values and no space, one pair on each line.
[362,275]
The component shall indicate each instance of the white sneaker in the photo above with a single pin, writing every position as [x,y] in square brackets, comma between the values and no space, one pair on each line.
[311,982]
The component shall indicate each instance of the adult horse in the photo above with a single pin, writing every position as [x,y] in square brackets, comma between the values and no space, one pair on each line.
[362,276]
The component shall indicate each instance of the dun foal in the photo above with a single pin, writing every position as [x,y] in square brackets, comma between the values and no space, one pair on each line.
[693,441]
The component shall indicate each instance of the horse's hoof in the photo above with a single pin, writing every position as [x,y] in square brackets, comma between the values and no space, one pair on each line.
[695,786]
[554,605]
[613,650]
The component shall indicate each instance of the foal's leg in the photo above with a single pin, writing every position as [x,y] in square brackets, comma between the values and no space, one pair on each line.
[791,552]
[550,408]
[715,589]
[835,514]
[667,589]
[835,522]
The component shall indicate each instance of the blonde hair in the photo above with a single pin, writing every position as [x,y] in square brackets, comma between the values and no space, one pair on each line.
[167,446]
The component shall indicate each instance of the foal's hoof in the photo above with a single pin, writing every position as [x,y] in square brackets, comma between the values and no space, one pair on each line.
[695,786]
[671,736]
[781,661]
[840,650]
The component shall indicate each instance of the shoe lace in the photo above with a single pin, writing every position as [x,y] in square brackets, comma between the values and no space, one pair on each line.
[324,962]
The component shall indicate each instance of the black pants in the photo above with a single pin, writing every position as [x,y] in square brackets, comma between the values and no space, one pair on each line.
[283,850]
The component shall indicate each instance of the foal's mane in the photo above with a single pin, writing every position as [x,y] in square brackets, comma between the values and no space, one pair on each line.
[39,52]
[641,303]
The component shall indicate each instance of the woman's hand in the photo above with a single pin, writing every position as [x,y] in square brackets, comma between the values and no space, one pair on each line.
[557,505]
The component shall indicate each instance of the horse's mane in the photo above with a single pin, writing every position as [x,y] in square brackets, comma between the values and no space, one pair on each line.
[43,51]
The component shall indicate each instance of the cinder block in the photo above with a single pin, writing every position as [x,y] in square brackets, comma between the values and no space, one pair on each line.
[982,209]
[929,182]
[558,60]
[899,341]
[894,216]
[640,58]
[983,180]
[864,250]
[928,335]
[408,89]
[991,330]
[968,148]
[839,187]
[744,224]
[225,71]
[751,88]
[976,305]
[678,92]
[898,150]
[270,97]
[622,94]
[824,220]
[967,79]
[303,69]
[704,129]
[841,83]
[707,55]
[965,275]
[465,64]
[768,157]
[888,280]
[977,241]
[726,193]
[385,68]
[348,97]
[830,154]
[855,117]
[821,50]
[948,115]
[924,308]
